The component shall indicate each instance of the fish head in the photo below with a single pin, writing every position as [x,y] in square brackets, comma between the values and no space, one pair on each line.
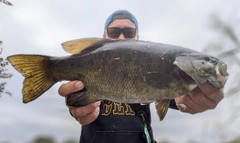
[201,68]
[220,77]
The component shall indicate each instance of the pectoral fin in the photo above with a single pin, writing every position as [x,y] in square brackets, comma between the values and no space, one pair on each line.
[162,108]
[158,80]
[81,98]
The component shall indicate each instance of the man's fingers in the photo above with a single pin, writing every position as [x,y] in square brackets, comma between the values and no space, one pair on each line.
[86,114]
[211,92]
[70,87]
[79,112]
[191,106]
[89,118]
[201,99]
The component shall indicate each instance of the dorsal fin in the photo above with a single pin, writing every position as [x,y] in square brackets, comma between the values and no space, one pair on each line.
[78,45]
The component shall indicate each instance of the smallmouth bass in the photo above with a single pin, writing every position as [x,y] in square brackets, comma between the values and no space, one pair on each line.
[125,71]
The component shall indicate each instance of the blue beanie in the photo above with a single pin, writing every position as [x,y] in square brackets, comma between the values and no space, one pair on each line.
[121,14]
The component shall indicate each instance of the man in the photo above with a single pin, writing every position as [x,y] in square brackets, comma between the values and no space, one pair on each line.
[107,122]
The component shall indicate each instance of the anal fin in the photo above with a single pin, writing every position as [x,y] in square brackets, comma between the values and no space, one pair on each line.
[162,108]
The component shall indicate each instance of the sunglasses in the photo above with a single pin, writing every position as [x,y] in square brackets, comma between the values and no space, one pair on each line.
[128,32]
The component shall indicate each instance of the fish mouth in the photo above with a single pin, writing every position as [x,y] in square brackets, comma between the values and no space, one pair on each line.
[189,82]
[185,77]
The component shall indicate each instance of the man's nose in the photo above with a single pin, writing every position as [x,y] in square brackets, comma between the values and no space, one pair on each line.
[121,37]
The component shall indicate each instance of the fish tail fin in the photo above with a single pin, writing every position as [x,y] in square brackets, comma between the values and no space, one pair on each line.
[34,68]
[162,108]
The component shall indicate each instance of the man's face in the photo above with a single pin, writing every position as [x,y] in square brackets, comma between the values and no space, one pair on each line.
[122,24]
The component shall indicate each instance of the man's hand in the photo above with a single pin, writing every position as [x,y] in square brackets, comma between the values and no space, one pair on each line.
[84,115]
[201,99]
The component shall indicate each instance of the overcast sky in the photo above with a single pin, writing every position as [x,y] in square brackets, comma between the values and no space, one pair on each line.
[40,26]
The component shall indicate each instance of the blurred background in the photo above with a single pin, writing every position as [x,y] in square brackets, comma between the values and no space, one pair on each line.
[40,26]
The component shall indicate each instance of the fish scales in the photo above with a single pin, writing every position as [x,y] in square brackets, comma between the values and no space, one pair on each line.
[118,69]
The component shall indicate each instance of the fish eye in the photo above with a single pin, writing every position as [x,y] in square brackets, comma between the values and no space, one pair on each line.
[207,58]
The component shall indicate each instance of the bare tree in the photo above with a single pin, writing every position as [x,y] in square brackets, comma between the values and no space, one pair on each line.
[3,73]
[43,139]
[3,63]
[227,48]
[6,2]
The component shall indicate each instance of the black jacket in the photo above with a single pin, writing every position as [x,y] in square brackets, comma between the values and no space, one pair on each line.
[117,123]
